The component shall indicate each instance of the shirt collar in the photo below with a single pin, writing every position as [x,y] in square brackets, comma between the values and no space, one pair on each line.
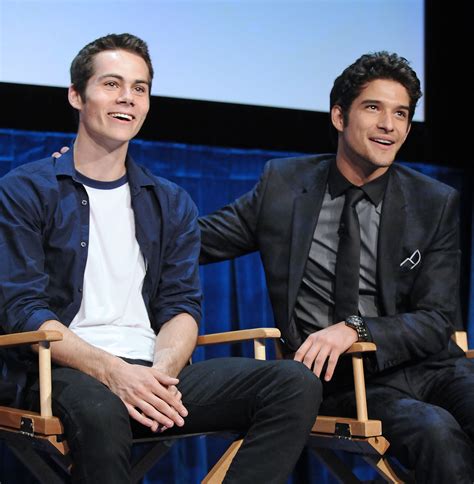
[64,165]
[374,190]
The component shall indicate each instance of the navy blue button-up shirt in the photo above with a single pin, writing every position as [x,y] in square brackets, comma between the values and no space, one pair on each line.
[44,232]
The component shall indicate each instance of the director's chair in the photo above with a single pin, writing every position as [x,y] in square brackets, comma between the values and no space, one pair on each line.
[38,441]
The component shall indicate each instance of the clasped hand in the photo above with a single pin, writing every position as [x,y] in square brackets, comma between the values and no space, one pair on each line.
[326,345]
[151,396]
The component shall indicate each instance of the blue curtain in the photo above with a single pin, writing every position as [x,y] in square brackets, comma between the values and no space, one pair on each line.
[235,292]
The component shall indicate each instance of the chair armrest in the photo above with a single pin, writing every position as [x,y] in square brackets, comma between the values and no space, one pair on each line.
[361,348]
[460,338]
[238,336]
[356,351]
[258,335]
[43,339]
[29,337]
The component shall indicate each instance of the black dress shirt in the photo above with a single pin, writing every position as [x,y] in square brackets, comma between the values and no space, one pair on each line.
[314,307]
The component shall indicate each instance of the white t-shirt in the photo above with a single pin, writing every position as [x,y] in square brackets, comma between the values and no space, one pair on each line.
[113,315]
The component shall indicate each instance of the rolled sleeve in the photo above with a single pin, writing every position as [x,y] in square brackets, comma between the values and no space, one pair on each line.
[38,318]
[179,289]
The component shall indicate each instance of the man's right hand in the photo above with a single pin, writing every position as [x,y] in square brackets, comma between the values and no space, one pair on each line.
[58,154]
[151,396]
[326,345]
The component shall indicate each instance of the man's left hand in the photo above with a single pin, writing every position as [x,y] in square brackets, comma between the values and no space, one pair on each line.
[58,154]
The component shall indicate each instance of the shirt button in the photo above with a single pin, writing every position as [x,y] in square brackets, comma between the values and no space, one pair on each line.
[84,202]
[83,244]
[80,289]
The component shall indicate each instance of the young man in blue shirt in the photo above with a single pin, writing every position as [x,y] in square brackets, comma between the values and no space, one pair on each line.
[102,250]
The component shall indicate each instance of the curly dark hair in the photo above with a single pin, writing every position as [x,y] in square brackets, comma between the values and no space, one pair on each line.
[82,67]
[367,68]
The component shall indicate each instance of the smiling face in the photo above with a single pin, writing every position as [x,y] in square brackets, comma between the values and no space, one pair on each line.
[116,99]
[373,131]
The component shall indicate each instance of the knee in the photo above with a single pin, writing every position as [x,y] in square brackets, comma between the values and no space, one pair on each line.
[437,433]
[441,441]
[439,427]
[302,383]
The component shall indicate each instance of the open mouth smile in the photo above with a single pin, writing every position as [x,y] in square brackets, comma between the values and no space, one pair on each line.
[122,116]
[382,141]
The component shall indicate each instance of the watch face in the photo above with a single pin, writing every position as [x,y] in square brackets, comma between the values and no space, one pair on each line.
[357,323]
[356,320]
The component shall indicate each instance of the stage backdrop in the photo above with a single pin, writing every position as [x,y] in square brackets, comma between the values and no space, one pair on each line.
[235,295]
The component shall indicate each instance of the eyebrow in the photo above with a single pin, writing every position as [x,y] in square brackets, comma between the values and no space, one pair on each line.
[377,101]
[121,78]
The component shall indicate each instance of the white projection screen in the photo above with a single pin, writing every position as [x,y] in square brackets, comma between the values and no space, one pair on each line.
[258,52]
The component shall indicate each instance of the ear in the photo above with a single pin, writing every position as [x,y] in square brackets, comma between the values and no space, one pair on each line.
[74,98]
[337,117]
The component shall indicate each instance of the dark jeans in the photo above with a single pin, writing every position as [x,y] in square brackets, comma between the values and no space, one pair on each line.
[274,403]
[427,414]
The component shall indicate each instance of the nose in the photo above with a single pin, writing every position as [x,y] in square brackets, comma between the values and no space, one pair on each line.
[385,121]
[125,96]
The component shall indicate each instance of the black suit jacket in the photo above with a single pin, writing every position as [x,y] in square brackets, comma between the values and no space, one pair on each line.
[419,303]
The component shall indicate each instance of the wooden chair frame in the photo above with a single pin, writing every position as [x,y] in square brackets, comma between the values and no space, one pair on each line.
[361,435]
[30,434]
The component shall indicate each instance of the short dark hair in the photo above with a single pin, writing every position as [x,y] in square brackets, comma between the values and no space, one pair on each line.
[367,68]
[82,67]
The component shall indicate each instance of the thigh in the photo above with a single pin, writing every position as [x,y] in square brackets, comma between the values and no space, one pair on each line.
[422,435]
[84,405]
[401,412]
[451,386]
[225,393]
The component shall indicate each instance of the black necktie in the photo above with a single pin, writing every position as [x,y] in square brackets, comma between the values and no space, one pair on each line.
[346,289]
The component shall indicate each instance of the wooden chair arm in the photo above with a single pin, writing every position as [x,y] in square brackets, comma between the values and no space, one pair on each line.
[362,426]
[237,336]
[460,338]
[361,348]
[258,335]
[29,337]
[356,351]
[43,339]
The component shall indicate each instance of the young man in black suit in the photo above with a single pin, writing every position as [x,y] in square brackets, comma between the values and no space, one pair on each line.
[406,268]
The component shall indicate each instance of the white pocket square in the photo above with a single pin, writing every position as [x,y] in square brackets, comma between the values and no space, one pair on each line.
[411,262]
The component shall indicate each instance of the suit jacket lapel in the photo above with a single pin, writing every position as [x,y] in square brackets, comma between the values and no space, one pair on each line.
[392,228]
[306,210]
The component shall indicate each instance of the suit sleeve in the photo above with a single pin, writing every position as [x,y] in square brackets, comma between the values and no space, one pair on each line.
[431,304]
[231,231]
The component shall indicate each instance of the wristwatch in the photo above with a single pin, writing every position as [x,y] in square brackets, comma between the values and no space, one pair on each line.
[357,323]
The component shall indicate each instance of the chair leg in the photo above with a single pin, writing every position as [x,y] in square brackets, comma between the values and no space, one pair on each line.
[383,467]
[217,473]
[27,455]
[149,459]
[336,466]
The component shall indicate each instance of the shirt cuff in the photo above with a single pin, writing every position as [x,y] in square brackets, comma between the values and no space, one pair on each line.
[38,318]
